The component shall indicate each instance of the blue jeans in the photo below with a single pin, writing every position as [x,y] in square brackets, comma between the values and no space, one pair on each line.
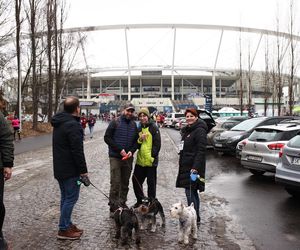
[193,196]
[69,195]
[91,131]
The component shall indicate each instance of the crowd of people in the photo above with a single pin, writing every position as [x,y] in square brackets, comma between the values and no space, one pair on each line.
[124,136]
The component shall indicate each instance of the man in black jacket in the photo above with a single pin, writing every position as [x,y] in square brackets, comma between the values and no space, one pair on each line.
[6,163]
[68,163]
[121,137]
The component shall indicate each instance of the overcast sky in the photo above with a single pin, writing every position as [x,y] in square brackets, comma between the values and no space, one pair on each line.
[254,13]
[107,49]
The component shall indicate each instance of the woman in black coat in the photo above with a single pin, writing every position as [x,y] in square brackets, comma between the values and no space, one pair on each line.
[192,158]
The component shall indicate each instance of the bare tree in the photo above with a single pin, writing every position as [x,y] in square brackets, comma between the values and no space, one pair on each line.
[291,96]
[279,55]
[50,26]
[18,5]
[266,78]
[241,77]
[32,16]
[249,76]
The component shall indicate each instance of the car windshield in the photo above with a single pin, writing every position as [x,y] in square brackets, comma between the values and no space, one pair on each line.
[229,125]
[248,124]
[266,135]
[294,142]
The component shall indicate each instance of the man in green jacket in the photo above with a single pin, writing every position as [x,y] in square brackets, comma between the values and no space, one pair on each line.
[6,163]
[147,158]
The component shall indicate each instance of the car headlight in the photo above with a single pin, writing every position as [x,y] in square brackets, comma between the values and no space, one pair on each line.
[234,138]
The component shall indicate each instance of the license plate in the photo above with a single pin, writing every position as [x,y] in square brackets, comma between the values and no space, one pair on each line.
[254,158]
[218,145]
[296,161]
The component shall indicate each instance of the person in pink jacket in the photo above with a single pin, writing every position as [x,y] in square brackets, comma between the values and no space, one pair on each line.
[16,126]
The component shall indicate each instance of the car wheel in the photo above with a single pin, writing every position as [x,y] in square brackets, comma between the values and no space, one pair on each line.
[293,192]
[256,172]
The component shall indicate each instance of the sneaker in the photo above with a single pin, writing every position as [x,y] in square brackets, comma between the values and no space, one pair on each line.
[68,234]
[76,229]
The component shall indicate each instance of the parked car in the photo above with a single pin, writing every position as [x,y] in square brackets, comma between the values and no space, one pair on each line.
[223,125]
[181,123]
[260,152]
[288,169]
[172,118]
[227,141]
[205,116]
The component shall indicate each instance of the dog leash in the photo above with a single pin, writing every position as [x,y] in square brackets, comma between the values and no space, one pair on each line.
[86,181]
[139,184]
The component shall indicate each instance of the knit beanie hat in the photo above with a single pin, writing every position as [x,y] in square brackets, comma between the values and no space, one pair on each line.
[144,111]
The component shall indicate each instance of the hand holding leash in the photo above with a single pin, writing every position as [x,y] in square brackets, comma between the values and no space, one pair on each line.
[85,180]
[194,176]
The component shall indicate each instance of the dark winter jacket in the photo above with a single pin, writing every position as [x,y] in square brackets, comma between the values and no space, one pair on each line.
[120,134]
[6,144]
[192,155]
[67,145]
[149,149]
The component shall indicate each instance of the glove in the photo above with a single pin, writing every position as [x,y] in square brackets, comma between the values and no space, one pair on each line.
[194,176]
[85,180]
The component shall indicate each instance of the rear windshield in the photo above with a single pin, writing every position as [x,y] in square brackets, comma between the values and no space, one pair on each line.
[295,142]
[267,135]
[179,115]
[248,124]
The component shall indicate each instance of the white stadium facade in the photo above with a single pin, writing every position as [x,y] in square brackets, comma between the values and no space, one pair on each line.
[174,86]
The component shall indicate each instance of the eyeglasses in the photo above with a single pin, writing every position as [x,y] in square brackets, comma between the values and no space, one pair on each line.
[129,110]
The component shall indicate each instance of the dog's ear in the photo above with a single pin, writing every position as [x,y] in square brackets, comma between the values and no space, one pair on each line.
[192,204]
[181,204]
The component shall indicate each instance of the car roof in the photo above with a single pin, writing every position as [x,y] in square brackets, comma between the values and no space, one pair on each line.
[281,127]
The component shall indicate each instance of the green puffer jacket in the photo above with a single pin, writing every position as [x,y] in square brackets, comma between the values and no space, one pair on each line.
[6,144]
[149,149]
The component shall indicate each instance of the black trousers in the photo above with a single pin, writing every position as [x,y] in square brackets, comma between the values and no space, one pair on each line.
[139,175]
[2,208]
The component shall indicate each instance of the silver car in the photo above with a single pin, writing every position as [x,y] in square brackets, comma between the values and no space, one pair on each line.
[288,169]
[260,152]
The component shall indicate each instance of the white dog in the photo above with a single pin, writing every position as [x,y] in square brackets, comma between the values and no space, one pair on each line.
[187,221]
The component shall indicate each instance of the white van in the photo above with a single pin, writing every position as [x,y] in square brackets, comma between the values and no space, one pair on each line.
[172,118]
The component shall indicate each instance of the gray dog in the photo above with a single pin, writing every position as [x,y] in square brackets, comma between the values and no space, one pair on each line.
[126,221]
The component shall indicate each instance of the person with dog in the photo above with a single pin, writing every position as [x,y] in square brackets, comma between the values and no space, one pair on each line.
[69,164]
[121,137]
[149,143]
[6,164]
[192,158]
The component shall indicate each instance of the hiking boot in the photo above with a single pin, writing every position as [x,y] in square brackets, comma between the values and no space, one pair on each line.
[76,229]
[68,234]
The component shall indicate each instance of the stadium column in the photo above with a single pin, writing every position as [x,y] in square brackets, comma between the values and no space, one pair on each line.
[128,64]
[173,60]
[213,90]
[141,87]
